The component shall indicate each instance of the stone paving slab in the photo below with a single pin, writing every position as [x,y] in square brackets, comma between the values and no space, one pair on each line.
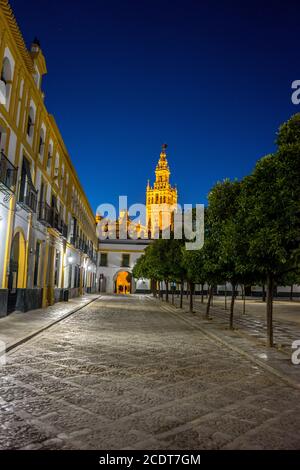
[286,319]
[125,373]
[20,326]
[277,361]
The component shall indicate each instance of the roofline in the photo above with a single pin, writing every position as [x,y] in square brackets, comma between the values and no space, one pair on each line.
[15,31]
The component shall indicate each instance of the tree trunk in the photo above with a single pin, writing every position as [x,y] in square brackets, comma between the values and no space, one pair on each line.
[263,293]
[244,299]
[225,296]
[270,285]
[291,293]
[232,306]
[192,286]
[181,293]
[159,290]
[173,293]
[202,294]
[153,282]
[210,292]
[167,290]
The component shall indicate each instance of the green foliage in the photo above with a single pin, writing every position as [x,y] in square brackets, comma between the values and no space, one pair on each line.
[252,228]
[194,265]
[289,132]
[162,261]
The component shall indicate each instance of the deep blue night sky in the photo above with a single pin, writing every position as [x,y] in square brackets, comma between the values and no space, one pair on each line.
[211,79]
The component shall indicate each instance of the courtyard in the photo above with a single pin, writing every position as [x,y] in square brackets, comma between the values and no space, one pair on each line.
[124,372]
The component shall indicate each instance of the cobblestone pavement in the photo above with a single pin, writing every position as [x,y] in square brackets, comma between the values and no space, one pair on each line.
[18,326]
[285,330]
[124,374]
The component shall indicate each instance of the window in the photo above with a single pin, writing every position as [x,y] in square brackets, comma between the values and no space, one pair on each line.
[49,157]
[41,142]
[6,81]
[62,177]
[19,102]
[56,268]
[125,260]
[73,230]
[77,277]
[3,135]
[103,259]
[42,197]
[28,193]
[36,264]
[70,276]
[30,122]
[56,168]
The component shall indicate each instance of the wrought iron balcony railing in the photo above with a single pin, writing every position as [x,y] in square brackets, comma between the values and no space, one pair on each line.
[28,201]
[76,242]
[64,230]
[55,223]
[8,175]
[73,240]
[45,214]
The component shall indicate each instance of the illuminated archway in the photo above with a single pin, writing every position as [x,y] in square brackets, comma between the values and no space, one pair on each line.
[18,262]
[123,282]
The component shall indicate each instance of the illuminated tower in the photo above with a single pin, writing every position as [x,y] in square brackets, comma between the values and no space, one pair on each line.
[161,198]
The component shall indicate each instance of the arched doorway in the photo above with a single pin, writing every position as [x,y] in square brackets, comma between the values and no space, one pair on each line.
[123,282]
[17,272]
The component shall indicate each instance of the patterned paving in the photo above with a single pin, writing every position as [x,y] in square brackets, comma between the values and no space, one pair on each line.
[122,373]
[285,332]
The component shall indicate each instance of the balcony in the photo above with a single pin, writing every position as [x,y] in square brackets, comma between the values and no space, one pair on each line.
[28,200]
[82,245]
[73,239]
[8,175]
[64,230]
[56,221]
[45,214]
[76,242]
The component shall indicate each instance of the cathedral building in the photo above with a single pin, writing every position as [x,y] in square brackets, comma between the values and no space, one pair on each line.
[118,256]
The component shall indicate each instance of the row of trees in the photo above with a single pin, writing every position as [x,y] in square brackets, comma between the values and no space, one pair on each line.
[252,232]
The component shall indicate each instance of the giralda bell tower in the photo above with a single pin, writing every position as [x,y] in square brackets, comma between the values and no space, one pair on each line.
[161,199]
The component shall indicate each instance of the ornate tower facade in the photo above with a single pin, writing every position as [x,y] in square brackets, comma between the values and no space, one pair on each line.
[161,199]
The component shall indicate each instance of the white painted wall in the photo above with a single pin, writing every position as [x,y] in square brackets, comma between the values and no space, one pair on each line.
[114,265]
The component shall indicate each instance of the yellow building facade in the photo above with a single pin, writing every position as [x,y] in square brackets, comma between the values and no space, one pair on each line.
[48,242]
[161,198]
